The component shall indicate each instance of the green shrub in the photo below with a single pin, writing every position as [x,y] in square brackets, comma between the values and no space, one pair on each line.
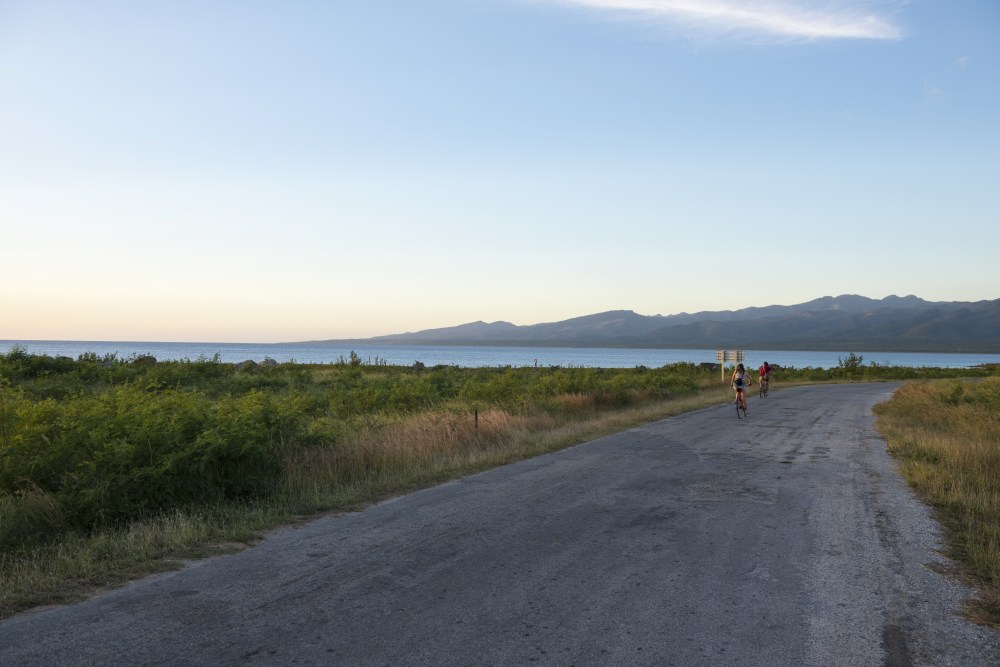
[129,452]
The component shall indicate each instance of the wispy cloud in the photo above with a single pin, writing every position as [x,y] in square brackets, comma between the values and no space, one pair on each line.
[932,93]
[783,19]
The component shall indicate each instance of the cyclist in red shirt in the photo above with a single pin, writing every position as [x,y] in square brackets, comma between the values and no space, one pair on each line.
[765,377]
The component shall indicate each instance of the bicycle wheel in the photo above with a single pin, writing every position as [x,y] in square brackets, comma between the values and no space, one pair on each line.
[763,389]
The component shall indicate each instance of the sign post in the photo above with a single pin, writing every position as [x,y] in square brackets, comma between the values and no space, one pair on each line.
[724,356]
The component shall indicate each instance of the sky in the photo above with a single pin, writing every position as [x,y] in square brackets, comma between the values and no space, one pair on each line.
[254,171]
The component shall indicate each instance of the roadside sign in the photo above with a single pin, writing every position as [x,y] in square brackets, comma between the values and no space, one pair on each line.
[726,356]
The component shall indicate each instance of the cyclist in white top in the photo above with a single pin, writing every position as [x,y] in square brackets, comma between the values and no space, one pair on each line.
[741,380]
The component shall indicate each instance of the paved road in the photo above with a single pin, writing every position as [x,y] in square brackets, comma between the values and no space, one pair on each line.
[697,540]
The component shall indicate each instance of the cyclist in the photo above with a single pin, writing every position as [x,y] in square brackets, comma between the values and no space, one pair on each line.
[741,379]
[765,376]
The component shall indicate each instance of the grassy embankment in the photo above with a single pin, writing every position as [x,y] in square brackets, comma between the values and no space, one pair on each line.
[111,468]
[946,436]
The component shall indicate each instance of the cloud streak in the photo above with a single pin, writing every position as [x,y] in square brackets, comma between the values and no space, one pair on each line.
[782,19]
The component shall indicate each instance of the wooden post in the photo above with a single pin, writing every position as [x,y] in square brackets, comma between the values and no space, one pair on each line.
[477,421]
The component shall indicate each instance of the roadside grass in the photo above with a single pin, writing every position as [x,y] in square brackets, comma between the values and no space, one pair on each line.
[390,457]
[79,564]
[946,437]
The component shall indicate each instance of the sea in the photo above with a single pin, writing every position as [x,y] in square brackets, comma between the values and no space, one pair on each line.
[469,356]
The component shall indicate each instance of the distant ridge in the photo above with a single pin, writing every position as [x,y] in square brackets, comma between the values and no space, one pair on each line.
[845,322]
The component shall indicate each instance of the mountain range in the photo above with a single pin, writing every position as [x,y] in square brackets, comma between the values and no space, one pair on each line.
[845,322]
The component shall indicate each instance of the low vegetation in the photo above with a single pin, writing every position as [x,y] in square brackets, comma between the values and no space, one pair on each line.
[110,468]
[113,468]
[946,436]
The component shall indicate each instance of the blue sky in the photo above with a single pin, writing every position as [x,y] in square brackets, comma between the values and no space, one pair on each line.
[264,171]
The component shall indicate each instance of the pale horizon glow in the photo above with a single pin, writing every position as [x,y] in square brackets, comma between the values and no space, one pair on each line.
[234,172]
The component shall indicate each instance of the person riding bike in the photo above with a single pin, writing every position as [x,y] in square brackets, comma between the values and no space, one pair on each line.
[741,379]
[765,376]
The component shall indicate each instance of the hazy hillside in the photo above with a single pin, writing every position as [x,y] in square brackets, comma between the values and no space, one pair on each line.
[846,322]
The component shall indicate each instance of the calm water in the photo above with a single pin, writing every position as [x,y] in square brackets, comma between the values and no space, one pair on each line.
[469,356]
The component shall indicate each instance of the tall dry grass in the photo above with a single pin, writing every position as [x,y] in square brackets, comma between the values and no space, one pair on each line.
[946,436]
[410,451]
[435,446]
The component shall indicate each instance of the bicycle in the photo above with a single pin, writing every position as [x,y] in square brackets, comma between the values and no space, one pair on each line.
[764,387]
[741,406]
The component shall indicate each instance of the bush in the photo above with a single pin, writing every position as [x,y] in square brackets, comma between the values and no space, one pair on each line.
[129,452]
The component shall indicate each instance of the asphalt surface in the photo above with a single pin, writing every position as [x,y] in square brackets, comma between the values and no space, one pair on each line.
[787,539]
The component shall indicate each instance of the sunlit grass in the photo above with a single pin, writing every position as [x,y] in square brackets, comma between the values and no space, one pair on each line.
[946,436]
[434,447]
